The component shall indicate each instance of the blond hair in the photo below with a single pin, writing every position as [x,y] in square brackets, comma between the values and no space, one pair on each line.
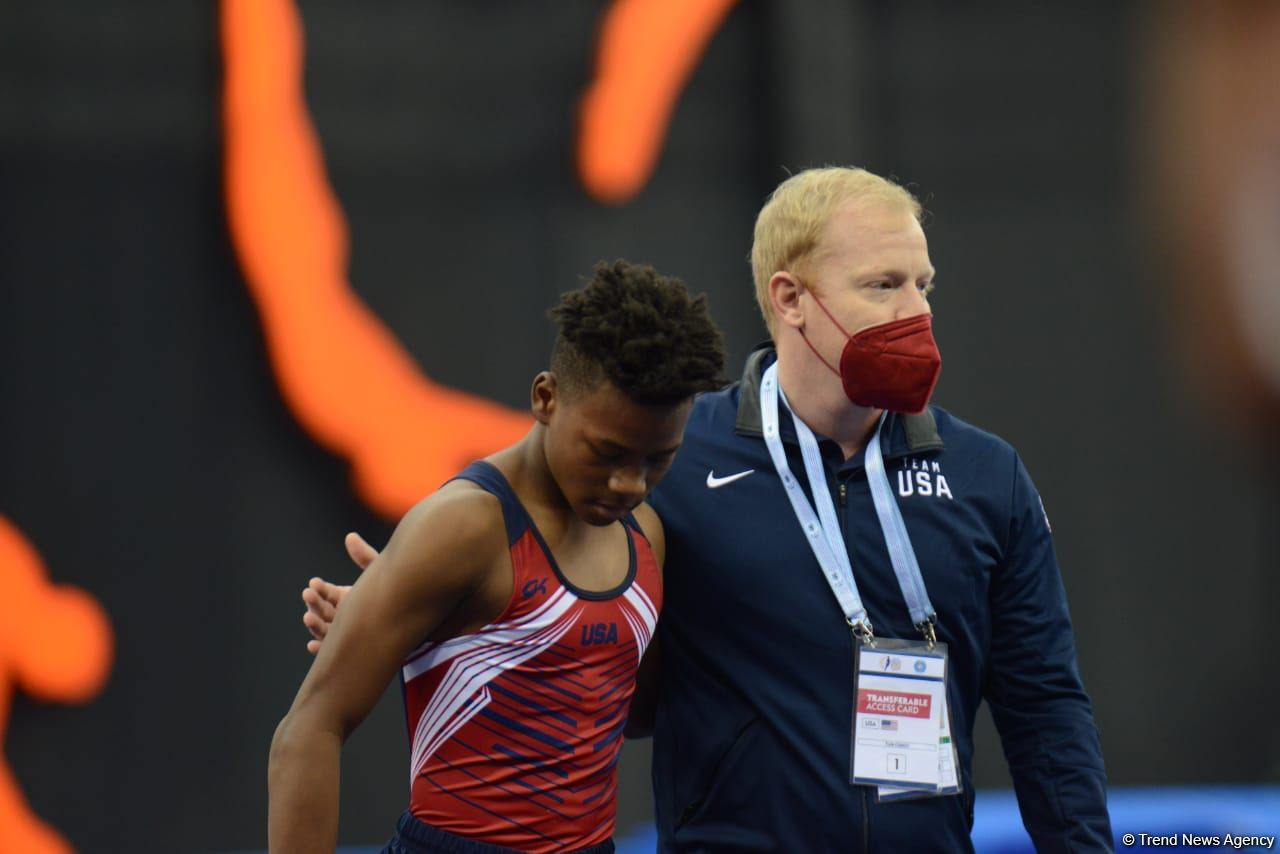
[791,221]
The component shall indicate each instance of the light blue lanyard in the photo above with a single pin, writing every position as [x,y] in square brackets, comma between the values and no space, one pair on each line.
[834,561]
[823,529]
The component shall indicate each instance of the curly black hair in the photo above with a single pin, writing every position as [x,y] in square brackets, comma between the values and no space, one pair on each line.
[640,330]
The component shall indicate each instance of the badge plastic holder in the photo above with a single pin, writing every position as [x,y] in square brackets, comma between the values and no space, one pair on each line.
[900,738]
[949,782]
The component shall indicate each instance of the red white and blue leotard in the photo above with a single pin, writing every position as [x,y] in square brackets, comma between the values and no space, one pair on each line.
[516,729]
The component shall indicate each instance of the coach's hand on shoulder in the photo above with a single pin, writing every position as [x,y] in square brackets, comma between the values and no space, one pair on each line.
[322,597]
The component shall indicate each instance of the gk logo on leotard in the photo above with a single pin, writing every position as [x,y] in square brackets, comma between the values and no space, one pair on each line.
[922,477]
[534,587]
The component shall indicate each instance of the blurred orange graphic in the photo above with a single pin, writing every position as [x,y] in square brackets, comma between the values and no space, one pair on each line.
[55,645]
[346,377]
[341,370]
[648,49]
[344,374]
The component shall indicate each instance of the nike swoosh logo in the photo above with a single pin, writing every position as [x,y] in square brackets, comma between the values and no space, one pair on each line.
[714,482]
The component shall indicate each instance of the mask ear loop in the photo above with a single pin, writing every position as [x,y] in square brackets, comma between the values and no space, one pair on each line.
[829,317]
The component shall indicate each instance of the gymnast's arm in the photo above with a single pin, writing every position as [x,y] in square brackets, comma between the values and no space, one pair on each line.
[438,568]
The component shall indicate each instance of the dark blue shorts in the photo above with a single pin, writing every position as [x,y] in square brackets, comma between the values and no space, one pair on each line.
[414,837]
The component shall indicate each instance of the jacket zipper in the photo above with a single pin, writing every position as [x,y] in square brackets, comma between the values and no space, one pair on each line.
[866,822]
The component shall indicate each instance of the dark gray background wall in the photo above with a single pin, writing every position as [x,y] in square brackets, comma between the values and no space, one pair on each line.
[145,450]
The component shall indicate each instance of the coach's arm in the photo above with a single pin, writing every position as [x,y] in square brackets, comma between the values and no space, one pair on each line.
[644,701]
[1033,686]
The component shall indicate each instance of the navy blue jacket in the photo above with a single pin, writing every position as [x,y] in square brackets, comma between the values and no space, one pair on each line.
[751,738]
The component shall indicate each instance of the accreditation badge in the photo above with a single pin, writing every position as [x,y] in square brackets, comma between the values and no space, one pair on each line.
[900,717]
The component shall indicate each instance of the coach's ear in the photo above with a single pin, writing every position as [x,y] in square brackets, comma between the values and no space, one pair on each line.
[784,298]
[542,397]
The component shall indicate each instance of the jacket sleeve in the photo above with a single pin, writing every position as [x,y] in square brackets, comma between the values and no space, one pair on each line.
[1033,686]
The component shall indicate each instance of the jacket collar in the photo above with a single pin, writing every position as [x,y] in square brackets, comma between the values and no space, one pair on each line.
[920,432]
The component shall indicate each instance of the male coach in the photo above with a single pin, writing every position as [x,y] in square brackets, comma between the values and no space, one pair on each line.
[755,710]
[755,705]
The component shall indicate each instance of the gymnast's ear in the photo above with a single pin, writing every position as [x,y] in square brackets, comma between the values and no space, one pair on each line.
[543,397]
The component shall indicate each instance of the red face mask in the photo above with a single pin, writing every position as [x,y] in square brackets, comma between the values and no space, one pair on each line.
[893,366]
